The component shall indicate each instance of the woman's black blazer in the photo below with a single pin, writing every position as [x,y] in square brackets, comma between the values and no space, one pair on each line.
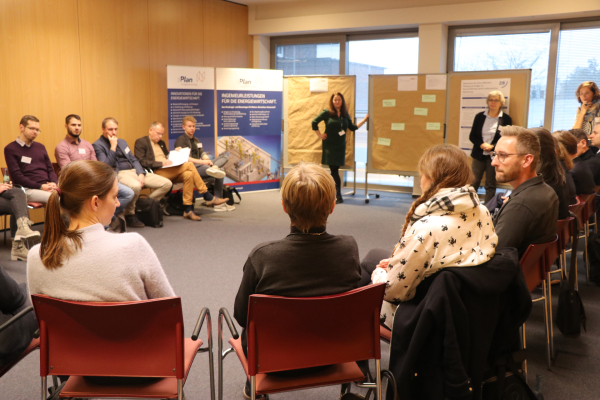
[475,135]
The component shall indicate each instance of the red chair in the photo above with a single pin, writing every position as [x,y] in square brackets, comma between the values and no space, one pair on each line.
[589,210]
[127,339]
[533,264]
[34,345]
[286,333]
[385,334]
[577,211]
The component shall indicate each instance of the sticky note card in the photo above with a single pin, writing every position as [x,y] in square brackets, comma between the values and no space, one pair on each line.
[319,85]
[435,82]
[428,98]
[384,141]
[420,111]
[433,126]
[397,126]
[389,103]
[407,83]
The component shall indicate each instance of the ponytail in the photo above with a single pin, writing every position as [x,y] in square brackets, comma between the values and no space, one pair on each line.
[428,194]
[55,246]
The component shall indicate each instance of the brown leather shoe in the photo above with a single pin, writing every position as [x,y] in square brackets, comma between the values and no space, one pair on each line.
[215,202]
[192,216]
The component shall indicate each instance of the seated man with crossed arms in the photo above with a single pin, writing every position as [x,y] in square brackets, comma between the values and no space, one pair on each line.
[153,154]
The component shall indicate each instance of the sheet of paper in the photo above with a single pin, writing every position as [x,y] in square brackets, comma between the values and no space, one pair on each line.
[433,126]
[435,82]
[421,111]
[384,141]
[407,83]
[397,126]
[319,85]
[428,98]
[389,103]
[179,157]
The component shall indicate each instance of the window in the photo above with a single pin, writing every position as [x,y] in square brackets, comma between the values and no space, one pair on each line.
[511,51]
[578,61]
[308,59]
[378,57]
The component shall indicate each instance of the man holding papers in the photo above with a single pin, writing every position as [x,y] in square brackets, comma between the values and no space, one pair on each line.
[153,154]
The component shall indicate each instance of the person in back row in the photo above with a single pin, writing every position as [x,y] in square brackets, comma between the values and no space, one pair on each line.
[73,148]
[585,154]
[579,171]
[530,212]
[206,168]
[152,152]
[309,261]
[116,153]
[83,262]
[445,227]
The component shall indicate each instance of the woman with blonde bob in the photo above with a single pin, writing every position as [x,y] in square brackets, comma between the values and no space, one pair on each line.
[445,227]
[83,262]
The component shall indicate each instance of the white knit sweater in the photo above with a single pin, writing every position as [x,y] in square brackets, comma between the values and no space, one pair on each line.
[109,267]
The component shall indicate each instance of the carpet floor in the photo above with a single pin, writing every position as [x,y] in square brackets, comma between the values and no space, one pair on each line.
[204,260]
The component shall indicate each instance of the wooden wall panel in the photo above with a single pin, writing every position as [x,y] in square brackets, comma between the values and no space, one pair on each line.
[226,35]
[115,66]
[39,67]
[176,38]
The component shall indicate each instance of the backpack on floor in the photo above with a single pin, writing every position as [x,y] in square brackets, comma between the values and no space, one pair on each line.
[228,192]
[149,212]
[175,204]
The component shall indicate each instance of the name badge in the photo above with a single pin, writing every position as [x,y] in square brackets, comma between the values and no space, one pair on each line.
[81,151]
[26,160]
[597,120]
[199,144]
[342,133]
[127,151]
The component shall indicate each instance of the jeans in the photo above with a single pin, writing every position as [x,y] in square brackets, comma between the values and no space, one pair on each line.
[219,162]
[13,202]
[479,167]
[125,196]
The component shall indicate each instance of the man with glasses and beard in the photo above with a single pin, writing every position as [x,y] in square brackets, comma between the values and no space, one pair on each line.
[530,212]
[73,148]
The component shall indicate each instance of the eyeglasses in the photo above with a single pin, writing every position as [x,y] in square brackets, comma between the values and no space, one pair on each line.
[493,100]
[502,156]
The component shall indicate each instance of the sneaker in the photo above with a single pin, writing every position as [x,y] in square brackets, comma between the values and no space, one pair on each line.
[23,230]
[19,251]
[191,215]
[215,172]
[215,202]
[133,221]
[224,207]
[339,200]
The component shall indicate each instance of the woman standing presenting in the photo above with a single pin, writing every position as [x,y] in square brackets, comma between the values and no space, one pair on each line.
[588,115]
[484,135]
[337,121]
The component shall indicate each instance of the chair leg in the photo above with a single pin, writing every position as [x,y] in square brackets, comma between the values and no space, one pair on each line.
[211,365]
[378,375]
[253,387]
[44,388]
[5,228]
[585,259]
[552,354]
[179,389]
[524,346]
[548,360]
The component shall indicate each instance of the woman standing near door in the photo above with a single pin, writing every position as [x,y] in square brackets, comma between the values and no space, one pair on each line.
[484,135]
[337,122]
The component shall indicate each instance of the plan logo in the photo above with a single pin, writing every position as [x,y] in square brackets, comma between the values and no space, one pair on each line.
[185,79]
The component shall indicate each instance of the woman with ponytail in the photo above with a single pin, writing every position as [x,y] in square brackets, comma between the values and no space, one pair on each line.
[445,227]
[83,262]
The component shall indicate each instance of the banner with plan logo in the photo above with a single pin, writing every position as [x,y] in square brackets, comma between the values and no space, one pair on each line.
[191,91]
[249,113]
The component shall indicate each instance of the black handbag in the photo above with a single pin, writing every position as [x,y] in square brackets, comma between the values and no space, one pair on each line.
[571,314]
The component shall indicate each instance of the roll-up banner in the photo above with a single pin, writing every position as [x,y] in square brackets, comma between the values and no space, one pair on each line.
[249,114]
[191,91]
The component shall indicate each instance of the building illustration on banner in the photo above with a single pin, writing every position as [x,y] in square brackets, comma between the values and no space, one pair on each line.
[247,162]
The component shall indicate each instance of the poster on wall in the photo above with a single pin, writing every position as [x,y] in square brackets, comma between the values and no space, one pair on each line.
[191,91]
[473,97]
[249,112]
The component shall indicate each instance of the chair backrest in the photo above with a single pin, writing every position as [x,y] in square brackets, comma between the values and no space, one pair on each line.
[564,230]
[291,333]
[551,254]
[533,265]
[136,339]
[577,210]
[589,207]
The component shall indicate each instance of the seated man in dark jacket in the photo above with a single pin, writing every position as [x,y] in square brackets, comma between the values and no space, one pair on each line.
[530,212]
[586,154]
[308,261]
[14,299]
